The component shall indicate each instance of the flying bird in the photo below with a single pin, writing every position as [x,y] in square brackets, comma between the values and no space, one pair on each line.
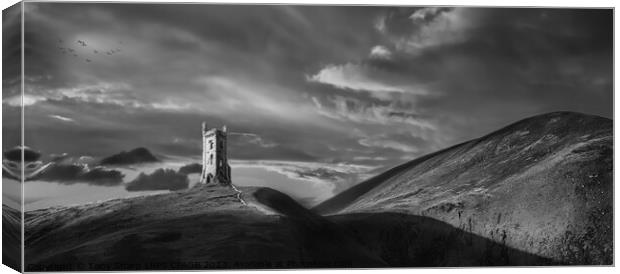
[88,60]
[81,43]
[95,51]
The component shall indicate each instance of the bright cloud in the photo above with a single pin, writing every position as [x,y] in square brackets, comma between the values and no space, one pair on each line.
[425,13]
[434,27]
[62,118]
[358,78]
[380,52]
[28,100]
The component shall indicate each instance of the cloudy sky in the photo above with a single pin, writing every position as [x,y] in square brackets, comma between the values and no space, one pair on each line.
[310,92]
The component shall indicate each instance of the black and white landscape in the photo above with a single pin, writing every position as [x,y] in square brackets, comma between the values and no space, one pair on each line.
[355,136]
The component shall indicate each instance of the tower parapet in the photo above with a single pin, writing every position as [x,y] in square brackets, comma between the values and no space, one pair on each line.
[215,166]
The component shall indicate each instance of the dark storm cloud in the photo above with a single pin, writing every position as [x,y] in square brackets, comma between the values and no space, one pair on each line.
[190,169]
[333,85]
[11,49]
[72,174]
[160,179]
[11,69]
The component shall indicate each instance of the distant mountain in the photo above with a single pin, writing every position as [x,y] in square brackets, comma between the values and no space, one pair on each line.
[543,185]
[135,156]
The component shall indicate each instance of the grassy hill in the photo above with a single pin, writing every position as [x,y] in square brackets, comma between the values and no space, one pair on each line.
[543,185]
[537,192]
[214,227]
[204,227]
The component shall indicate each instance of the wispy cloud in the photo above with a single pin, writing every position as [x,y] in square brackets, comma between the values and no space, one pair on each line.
[61,118]
[356,77]
[354,110]
[235,96]
[312,171]
[253,139]
[367,158]
[104,93]
[311,182]
[379,24]
[387,143]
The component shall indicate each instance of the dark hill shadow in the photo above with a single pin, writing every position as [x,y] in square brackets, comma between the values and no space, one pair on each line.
[414,241]
[400,240]
[323,243]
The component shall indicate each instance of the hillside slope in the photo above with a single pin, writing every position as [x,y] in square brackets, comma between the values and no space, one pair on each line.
[11,237]
[542,185]
[200,228]
[217,227]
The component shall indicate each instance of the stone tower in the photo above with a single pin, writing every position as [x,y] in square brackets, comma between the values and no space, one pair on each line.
[215,166]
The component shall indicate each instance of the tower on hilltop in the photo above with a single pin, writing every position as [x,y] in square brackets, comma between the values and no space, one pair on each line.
[215,166]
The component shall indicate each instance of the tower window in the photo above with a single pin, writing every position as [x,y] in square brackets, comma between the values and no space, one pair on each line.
[211,144]
[211,159]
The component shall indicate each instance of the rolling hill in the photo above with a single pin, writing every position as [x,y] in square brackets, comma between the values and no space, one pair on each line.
[216,227]
[537,192]
[543,185]
[206,227]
